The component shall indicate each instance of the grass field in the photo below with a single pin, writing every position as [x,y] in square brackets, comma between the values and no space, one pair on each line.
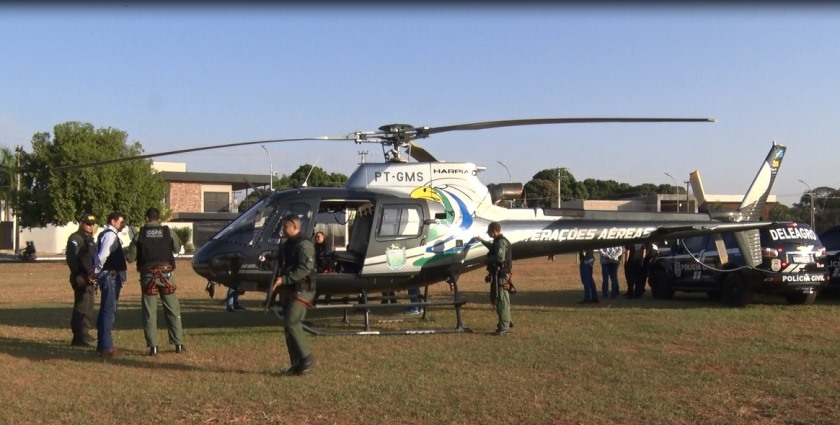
[685,361]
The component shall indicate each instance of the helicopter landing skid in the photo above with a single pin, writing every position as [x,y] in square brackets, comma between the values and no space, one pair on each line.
[362,303]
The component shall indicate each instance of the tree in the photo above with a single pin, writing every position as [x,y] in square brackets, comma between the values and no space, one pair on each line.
[826,208]
[50,197]
[252,199]
[317,178]
[779,212]
[542,189]
[540,193]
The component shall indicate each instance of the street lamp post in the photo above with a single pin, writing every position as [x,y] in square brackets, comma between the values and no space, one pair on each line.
[676,188]
[811,194]
[270,170]
[506,169]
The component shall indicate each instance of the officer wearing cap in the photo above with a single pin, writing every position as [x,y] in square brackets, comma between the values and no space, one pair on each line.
[154,247]
[79,255]
[296,285]
[499,262]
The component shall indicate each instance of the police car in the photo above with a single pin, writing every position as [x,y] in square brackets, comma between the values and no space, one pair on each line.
[792,265]
[831,240]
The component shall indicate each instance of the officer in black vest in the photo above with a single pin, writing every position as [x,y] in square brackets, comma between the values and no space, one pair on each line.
[295,283]
[155,246]
[109,266]
[79,255]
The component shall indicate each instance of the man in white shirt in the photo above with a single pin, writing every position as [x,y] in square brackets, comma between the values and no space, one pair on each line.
[610,259]
[109,265]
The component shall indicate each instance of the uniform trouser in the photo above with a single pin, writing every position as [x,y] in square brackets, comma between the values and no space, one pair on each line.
[609,271]
[110,284]
[82,317]
[294,311]
[501,302]
[171,313]
[641,279]
[633,272]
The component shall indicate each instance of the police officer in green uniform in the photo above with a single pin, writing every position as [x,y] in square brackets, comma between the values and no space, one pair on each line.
[154,247]
[79,255]
[295,283]
[499,261]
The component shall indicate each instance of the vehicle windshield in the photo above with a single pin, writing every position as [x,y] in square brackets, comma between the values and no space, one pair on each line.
[248,225]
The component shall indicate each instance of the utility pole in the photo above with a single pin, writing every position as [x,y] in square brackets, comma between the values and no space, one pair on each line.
[559,186]
[811,194]
[16,234]
[676,189]
[686,195]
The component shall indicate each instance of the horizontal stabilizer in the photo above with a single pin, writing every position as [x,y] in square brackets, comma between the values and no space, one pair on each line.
[684,231]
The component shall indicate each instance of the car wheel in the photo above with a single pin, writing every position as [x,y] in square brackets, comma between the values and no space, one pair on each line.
[735,292]
[801,298]
[660,287]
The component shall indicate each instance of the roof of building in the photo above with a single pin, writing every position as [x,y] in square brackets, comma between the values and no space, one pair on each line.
[237,181]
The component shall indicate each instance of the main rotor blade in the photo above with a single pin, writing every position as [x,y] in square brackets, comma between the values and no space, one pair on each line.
[537,121]
[203,148]
[420,154]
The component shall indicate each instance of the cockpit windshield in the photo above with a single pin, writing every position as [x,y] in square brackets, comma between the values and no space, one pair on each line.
[247,227]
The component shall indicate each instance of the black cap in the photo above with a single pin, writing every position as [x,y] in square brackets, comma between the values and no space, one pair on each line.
[88,219]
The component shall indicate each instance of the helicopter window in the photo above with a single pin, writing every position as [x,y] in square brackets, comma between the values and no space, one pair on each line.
[302,210]
[400,221]
[246,226]
[333,225]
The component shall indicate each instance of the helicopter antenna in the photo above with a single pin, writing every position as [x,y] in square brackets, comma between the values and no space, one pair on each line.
[362,155]
[310,172]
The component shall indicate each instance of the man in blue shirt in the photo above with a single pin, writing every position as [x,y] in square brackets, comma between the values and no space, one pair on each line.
[109,265]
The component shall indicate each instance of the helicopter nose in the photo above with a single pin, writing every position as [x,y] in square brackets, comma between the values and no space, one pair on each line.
[200,260]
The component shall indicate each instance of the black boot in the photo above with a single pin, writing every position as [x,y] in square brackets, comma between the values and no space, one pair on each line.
[180,348]
[306,365]
[292,370]
[153,351]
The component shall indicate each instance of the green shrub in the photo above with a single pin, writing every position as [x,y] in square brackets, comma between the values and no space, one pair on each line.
[185,235]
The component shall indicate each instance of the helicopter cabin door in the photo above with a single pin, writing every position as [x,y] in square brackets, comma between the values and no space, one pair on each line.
[267,241]
[398,228]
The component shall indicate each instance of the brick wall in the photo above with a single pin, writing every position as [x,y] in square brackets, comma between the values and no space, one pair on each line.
[185,197]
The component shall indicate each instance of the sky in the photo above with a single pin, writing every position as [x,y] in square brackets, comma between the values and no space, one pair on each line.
[193,74]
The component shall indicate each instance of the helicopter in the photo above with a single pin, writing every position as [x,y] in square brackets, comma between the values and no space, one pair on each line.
[412,224]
